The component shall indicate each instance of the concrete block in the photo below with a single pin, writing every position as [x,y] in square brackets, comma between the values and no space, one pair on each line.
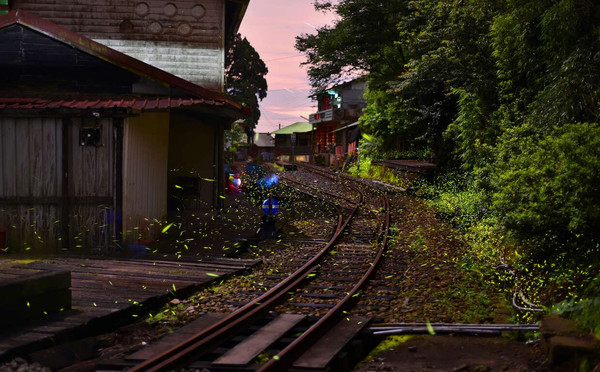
[565,348]
[554,325]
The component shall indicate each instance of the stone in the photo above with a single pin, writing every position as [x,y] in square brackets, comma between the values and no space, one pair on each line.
[462,367]
[565,348]
[563,340]
[554,325]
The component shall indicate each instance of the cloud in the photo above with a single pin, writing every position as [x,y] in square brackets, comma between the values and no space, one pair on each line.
[271,26]
[284,106]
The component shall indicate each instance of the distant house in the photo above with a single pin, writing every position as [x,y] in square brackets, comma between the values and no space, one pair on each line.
[263,144]
[93,141]
[293,142]
[336,120]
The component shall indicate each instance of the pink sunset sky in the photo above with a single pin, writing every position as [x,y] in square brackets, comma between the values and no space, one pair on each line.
[271,26]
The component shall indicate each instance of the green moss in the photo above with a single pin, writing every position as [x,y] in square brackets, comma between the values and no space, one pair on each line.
[390,343]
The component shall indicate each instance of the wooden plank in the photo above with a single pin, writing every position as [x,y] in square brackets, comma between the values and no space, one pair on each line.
[145,164]
[323,351]
[208,264]
[31,307]
[190,277]
[105,157]
[23,163]
[75,158]
[36,157]
[112,284]
[180,335]
[181,273]
[244,352]
[51,158]
[8,162]
[33,285]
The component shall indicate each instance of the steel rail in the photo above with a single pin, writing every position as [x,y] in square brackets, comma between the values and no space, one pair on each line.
[285,358]
[463,328]
[219,331]
[317,189]
[340,215]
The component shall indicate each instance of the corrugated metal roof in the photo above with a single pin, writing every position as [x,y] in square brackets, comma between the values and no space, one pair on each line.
[264,140]
[139,104]
[299,127]
[346,127]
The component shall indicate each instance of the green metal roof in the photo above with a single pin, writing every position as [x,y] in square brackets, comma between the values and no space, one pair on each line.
[299,127]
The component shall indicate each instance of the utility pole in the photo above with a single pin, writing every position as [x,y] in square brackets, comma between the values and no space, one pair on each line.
[293,141]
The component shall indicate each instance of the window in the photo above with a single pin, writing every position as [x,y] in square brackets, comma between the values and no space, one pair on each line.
[4,8]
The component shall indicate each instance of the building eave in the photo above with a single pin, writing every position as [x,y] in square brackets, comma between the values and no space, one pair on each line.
[114,57]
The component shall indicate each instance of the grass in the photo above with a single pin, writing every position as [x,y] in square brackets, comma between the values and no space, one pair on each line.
[390,343]
[379,172]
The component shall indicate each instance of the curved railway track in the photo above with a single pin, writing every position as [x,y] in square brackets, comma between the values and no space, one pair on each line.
[341,268]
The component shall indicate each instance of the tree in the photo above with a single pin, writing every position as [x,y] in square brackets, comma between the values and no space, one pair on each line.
[361,41]
[416,54]
[246,83]
[546,195]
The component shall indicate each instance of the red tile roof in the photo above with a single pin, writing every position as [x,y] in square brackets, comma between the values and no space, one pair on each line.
[138,104]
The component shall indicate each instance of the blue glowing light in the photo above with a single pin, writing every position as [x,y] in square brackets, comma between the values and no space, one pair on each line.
[268,181]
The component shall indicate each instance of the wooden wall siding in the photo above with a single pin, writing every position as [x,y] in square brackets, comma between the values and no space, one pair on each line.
[91,187]
[152,31]
[31,186]
[192,146]
[31,182]
[201,65]
[31,60]
[134,19]
[91,168]
[145,154]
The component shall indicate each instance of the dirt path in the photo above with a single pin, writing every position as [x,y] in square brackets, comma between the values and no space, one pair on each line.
[457,353]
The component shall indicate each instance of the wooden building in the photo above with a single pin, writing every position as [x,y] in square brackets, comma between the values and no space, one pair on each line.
[92,141]
[184,37]
[263,145]
[293,142]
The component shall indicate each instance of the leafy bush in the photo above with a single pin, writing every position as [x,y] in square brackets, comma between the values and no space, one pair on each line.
[547,195]
[487,241]
[414,154]
[361,168]
[585,311]
[455,197]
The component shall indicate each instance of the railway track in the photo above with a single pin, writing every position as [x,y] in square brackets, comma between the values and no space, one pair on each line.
[280,324]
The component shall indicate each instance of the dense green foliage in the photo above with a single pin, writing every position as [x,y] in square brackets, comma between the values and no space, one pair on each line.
[363,40]
[505,92]
[246,83]
[547,194]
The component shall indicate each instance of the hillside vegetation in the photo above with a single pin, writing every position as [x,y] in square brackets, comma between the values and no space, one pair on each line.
[505,96]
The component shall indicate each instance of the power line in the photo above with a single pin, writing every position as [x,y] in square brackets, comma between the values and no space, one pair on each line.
[280,58]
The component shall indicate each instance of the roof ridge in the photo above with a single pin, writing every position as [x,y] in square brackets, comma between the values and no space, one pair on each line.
[139,103]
